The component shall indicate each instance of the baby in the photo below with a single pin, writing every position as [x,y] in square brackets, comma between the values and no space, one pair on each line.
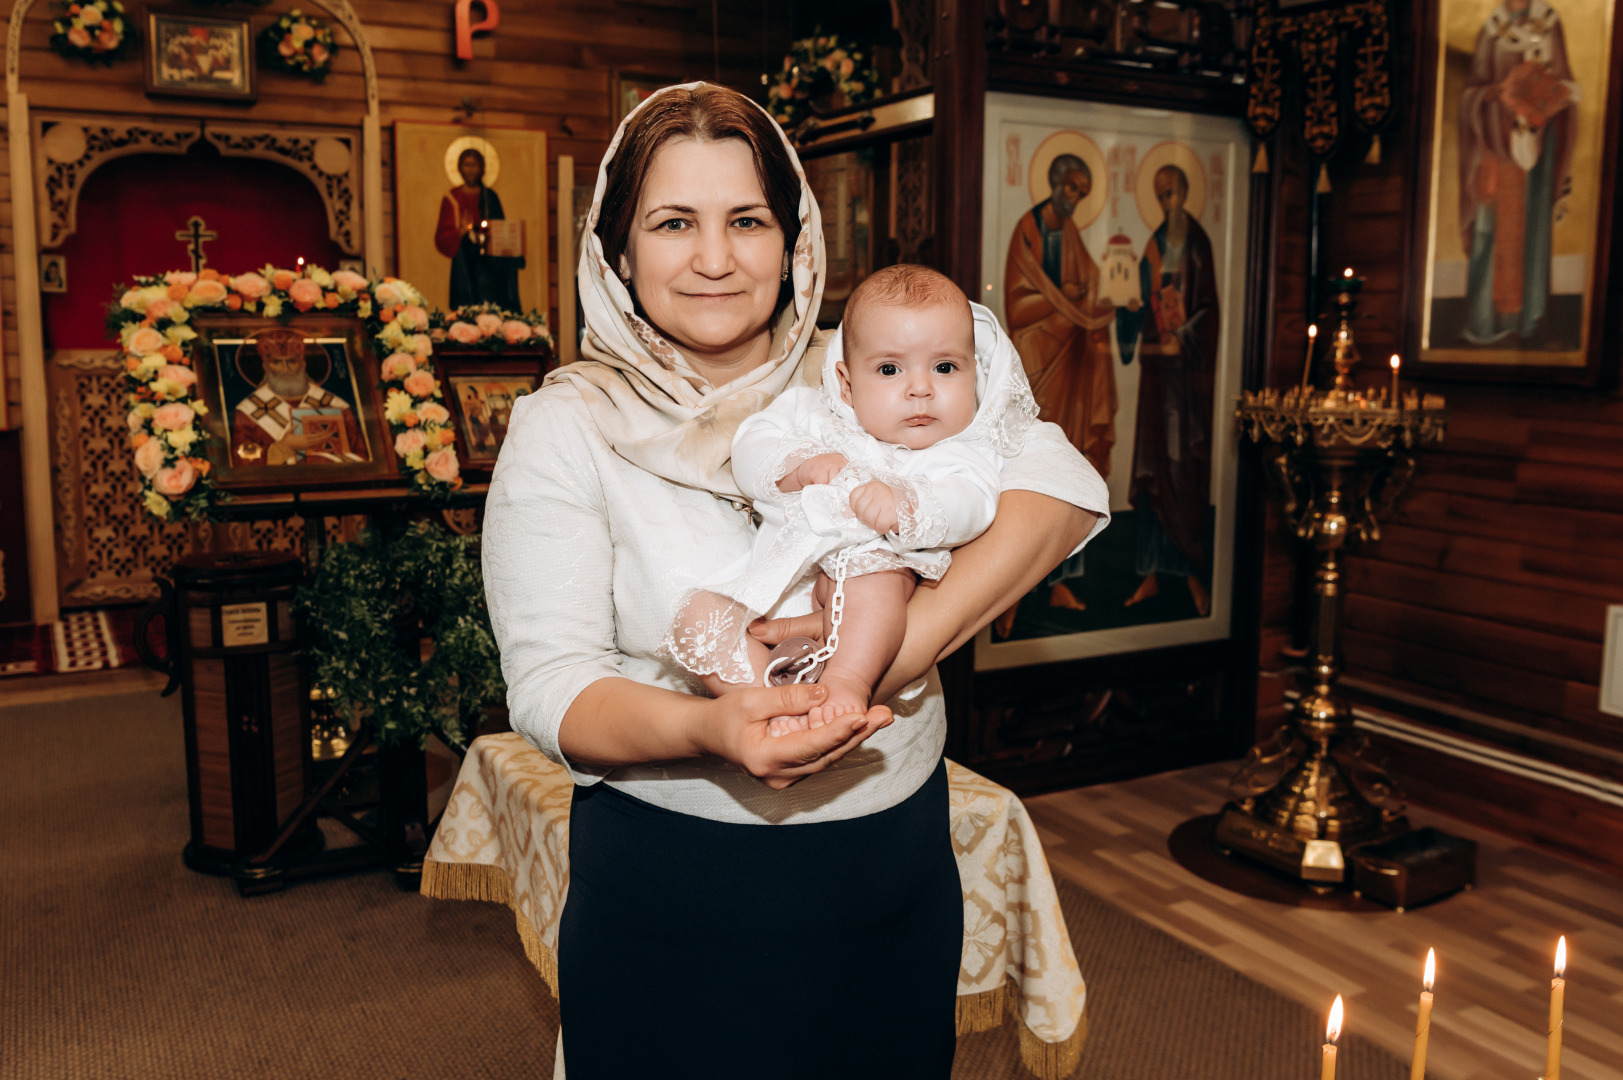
[864,485]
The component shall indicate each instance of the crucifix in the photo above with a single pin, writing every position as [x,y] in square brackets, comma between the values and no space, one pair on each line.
[195,232]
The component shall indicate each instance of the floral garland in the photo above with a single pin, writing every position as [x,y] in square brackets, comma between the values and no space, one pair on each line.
[95,32]
[819,66]
[151,323]
[297,44]
[492,327]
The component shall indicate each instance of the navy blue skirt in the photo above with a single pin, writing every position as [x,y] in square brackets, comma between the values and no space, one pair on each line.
[697,948]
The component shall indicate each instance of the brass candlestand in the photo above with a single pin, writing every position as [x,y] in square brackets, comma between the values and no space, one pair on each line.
[1341,459]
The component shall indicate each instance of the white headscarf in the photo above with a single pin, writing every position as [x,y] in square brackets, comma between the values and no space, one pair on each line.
[654,409]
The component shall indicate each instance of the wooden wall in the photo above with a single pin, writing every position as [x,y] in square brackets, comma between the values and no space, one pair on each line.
[1480,612]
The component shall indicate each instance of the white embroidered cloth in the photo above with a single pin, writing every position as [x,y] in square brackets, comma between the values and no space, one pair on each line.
[504,837]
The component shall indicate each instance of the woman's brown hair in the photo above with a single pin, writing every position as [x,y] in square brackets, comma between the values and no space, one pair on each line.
[708,113]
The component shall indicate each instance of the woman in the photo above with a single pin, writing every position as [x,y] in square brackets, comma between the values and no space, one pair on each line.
[731,893]
[476,278]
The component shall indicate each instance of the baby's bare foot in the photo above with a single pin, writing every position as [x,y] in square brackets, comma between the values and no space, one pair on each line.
[845,695]
[783,725]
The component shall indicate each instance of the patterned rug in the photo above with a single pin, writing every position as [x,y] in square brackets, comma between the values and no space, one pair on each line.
[82,641]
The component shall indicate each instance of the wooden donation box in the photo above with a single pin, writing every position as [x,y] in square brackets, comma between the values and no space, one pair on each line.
[244,701]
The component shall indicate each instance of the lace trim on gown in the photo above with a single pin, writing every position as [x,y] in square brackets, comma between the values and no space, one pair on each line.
[709,636]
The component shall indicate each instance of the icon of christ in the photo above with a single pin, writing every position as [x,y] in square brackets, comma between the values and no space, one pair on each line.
[289,418]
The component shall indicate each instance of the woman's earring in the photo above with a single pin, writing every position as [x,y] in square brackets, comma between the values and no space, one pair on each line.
[785,275]
[625,269]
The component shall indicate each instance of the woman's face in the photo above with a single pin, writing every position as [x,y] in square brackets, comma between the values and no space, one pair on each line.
[706,255]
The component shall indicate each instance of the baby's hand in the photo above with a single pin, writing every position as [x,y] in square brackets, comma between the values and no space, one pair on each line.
[821,469]
[874,504]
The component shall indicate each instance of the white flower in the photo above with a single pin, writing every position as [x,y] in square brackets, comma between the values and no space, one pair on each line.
[156,504]
[273,306]
[319,276]
[182,438]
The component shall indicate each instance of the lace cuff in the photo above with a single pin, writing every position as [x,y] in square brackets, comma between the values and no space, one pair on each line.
[709,636]
[921,520]
[785,457]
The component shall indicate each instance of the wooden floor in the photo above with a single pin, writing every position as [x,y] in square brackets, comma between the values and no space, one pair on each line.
[1494,944]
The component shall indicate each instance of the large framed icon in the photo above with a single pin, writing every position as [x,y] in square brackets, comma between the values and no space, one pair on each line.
[1114,250]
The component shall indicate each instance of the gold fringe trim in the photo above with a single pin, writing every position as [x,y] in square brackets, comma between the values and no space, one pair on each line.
[1259,164]
[1047,1061]
[1053,1061]
[975,1012]
[479,881]
[1324,180]
[1374,155]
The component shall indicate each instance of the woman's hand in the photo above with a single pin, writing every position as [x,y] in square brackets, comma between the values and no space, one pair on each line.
[734,727]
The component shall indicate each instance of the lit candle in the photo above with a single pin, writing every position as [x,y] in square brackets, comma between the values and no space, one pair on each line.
[1558,996]
[1332,1032]
[301,264]
[1347,273]
[1422,1028]
[1307,365]
[1397,400]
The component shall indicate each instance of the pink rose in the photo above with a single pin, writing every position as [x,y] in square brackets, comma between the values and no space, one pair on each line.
[305,294]
[349,279]
[146,341]
[463,333]
[159,308]
[421,346]
[251,286]
[409,442]
[419,384]
[136,421]
[318,54]
[432,412]
[416,318]
[177,374]
[388,294]
[207,292]
[173,416]
[515,332]
[149,458]
[79,36]
[488,324]
[175,481]
[180,277]
[398,366]
[441,465]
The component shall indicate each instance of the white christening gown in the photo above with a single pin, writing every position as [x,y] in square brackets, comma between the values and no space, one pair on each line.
[946,496]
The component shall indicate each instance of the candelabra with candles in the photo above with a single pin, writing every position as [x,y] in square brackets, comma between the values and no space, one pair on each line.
[1340,457]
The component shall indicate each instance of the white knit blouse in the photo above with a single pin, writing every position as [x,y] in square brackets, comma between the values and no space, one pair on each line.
[585,558]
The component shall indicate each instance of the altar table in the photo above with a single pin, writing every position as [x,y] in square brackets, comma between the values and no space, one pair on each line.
[504,838]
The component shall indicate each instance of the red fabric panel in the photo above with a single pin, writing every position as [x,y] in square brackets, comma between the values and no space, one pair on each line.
[131,208]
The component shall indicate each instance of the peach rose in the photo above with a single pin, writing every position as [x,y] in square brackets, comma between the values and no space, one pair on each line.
[178,292]
[252,286]
[441,465]
[287,48]
[146,341]
[417,316]
[398,366]
[135,420]
[488,324]
[318,54]
[432,412]
[79,36]
[159,308]
[388,294]
[419,384]
[207,292]
[176,481]
[463,333]
[175,373]
[283,279]
[515,332]
[421,345]
[173,417]
[149,458]
[409,442]
[305,294]
[349,279]
[180,277]
[107,40]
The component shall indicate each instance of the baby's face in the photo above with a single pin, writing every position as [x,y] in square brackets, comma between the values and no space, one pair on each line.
[909,373]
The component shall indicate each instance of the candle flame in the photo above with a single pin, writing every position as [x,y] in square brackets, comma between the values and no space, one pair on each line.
[301,260]
[1332,1030]
[1347,272]
[1561,957]
[1313,331]
[1397,361]
[1431,968]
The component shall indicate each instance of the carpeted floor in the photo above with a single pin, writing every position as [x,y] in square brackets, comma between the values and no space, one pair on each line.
[117,962]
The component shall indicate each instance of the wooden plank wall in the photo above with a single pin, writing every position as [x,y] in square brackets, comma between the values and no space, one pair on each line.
[549,66]
[1480,612]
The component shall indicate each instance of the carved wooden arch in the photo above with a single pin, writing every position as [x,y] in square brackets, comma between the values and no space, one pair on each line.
[71,147]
